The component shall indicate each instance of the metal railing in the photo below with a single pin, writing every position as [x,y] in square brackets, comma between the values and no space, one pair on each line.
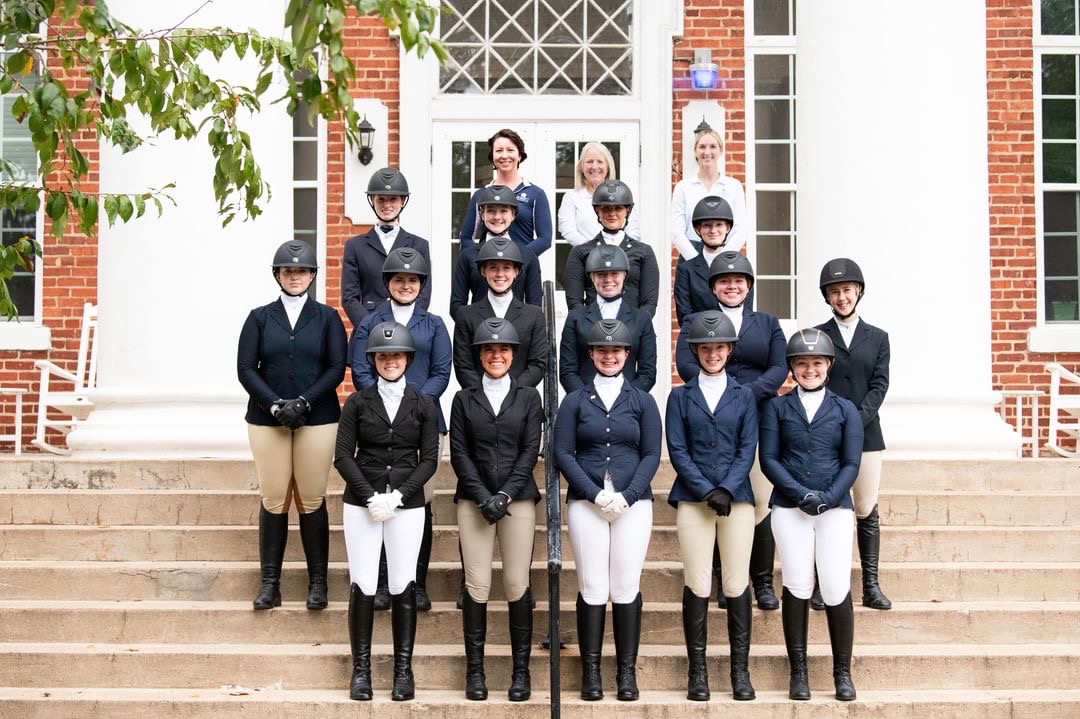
[551,487]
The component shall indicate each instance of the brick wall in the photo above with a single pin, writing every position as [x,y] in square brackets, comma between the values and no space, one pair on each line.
[377,71]
[69,279]
[1010,88]
[719,27]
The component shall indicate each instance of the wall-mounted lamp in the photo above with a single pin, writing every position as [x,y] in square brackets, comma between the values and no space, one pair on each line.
[367,134]
[704,73]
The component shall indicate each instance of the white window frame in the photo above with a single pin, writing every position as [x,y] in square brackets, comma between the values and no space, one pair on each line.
[1045,336]
[755,46]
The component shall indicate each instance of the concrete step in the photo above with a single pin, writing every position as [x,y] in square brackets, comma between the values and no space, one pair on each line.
[188,622]
[236,543]
[660,581]
[241,507]
[288,703]
[327,666]
[41,472]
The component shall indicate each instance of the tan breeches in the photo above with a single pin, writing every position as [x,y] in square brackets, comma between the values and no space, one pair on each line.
[867,484]
[762,488]
[699,530]
[515,533]
[292,464]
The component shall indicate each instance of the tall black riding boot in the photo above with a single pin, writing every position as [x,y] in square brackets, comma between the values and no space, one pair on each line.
[315,535]
[695,622]
[474,627]
[796,617]
[816,602]
[423,602]
[762,555]
[842,637]
[273,535]
[382,589]
[739,621]
[721,600]
[403,623]
[590,632]
[626,619]
[521,629]
[361,618]
[868,532]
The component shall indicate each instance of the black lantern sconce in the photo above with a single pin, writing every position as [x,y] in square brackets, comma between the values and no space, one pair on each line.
[367,134]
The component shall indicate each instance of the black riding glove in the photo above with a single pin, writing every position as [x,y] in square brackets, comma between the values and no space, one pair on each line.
[719,501]
[496,507]
[813,504]
[293,413]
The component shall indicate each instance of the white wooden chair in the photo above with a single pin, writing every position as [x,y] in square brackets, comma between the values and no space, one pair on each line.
[1064,408]
[74,404]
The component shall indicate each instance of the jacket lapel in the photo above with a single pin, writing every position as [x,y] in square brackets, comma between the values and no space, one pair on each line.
[307,313]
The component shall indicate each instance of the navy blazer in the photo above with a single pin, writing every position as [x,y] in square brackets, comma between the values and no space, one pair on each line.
[576,369]
[429,370]
[530,357]
[860,373]
[711,449]
[469,286]
[374,455]
[623,443]
[362,288]
[757,361]
[799,456]
[277,361]
[693,293]
[642,286]
[495,451]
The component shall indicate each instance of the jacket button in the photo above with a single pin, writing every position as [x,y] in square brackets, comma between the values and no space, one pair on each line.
[607,459]
[388,468]
[291,337]
[607,429]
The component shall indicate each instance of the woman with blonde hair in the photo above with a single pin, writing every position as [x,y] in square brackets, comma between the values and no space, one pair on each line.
[709,180]
[577,219]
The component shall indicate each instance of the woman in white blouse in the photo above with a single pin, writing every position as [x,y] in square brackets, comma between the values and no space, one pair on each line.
[577,218]
[708,151]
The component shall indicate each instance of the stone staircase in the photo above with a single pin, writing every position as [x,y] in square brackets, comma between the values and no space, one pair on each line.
[125,590]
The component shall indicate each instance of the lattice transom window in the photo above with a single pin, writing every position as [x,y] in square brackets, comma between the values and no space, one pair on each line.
[538,47]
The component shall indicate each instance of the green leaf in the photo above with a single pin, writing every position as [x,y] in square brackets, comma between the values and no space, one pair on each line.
[88,215]
[56,206]
[124,207]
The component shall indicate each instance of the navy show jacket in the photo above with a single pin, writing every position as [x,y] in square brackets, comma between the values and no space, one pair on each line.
[757,360]
[576,369]
[277,361]
[711,449]
[624,443]
[362,287]
[429,370]
[860,373]
[799,456]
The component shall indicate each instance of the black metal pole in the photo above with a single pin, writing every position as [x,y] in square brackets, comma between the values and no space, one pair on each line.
[554,509]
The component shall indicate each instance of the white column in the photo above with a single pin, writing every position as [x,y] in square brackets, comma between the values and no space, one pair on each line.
[174,291]
[892,172]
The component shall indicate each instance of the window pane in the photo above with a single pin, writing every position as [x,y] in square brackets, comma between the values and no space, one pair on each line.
[1059,162]
[771,17]
[774,211]
[566,154]
[774,255]
[1058,17]
[773,163]
[1059,75]
[772,119]
[305,209]
[1059,119]
[460,168]
[1062,301]
[1060,256]
[459,203]
[774,297]
[772,75]
[305,160]
[1059,210]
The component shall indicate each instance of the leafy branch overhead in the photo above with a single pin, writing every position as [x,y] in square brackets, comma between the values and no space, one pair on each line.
[161,75]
